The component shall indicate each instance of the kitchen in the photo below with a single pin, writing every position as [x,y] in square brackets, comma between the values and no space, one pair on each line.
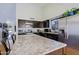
[39,24]
[39,39]
[35,32]
[46,29]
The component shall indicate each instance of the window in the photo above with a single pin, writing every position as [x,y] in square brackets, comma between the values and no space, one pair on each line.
[54,24]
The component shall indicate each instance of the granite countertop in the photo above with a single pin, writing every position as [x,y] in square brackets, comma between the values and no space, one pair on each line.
[33,44]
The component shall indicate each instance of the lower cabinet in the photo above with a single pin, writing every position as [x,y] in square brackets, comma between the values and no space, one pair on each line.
[66,51]
[50,36]
[71,51]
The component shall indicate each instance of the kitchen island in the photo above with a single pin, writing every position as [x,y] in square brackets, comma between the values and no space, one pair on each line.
[32,44]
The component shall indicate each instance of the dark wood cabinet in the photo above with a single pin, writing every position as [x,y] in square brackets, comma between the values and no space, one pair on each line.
[48,35]
[46,23]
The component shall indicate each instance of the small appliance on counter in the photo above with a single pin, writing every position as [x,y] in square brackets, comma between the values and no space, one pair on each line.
[47,30]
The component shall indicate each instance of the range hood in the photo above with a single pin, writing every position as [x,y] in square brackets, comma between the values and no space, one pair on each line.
[29,23]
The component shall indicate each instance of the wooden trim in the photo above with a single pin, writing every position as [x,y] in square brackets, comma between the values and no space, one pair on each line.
[64,51]
[0,52]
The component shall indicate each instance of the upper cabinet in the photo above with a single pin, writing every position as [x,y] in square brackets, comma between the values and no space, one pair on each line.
[28,11]
[46,24]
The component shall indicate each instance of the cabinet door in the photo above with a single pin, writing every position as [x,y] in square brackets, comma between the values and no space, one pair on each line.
[71,51]
[46,23]
[62,23]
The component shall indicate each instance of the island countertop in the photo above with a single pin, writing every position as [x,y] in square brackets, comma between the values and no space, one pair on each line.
[32,44]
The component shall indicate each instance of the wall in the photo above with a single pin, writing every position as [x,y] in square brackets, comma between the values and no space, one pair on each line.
[8,13]
[55,9]
[42,11]
[73,25]
[27,11]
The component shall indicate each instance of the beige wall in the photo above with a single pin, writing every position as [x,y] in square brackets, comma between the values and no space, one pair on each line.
[52,10]
[27,11]
[41,11]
